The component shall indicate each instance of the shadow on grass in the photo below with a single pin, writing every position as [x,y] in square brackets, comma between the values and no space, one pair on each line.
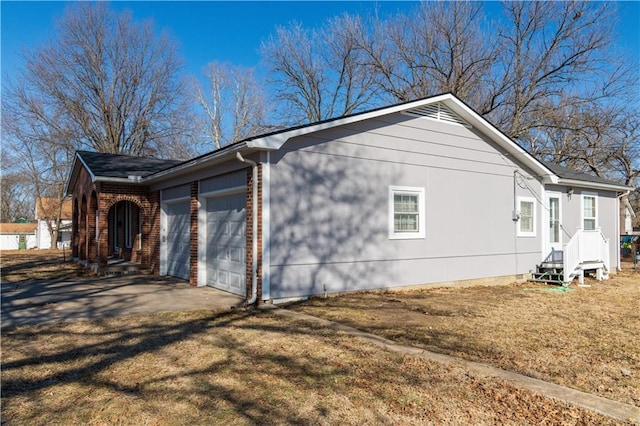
[88,366]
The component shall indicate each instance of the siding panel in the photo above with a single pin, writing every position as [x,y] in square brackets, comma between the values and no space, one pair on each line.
[329,208]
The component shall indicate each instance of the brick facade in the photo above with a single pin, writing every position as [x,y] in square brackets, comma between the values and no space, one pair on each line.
[193,244]
[89,197]
[249,256]
[154,232]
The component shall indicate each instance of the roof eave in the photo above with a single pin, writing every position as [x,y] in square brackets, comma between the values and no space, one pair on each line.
[75,171]
[276,141]
[594,185]
[489,130]
[212,158]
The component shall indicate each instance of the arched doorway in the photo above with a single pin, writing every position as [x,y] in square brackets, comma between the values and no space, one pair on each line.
[82,230]
[125,226]
[74,230]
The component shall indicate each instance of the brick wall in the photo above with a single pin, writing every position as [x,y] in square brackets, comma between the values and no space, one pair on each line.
[89,196]
[249,256]
[153,236]
[193,245]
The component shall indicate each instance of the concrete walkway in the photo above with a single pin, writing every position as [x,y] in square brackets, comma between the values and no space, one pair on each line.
[606,407]
[44,301]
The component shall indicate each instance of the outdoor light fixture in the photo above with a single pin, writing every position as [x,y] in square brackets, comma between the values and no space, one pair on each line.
[569,192]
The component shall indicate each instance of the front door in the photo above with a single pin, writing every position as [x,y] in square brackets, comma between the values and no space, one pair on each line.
[555,223]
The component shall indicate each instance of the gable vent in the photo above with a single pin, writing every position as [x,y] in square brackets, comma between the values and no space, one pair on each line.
[437,111]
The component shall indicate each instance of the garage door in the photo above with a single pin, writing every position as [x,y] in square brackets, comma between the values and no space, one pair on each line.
[226,243]
[178,239]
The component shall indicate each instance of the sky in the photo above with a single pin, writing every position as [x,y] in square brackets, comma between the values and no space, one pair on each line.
[223,31]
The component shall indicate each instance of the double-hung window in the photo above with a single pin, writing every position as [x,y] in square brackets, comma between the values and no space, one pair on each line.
[527,217]
[589,212]
[406,212]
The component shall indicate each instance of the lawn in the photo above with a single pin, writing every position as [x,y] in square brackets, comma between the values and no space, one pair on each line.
[254,367]
[586,338]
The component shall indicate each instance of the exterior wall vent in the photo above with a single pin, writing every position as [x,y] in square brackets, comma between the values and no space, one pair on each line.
[438,111]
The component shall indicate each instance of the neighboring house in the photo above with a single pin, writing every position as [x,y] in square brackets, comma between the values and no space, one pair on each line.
[15,236]
[417,193]
[46,212]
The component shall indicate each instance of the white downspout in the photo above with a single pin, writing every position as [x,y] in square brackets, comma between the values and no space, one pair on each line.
[254,236]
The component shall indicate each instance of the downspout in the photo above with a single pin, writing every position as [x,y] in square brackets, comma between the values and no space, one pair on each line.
[254,236]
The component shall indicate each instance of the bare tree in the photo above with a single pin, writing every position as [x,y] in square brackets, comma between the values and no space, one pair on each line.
[440,47]
[104,83]
[553,54]
[110,78]
[233,104]
[15,198]
[319,74]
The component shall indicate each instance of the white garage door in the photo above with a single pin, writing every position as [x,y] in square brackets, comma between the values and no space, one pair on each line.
[226,243]
[178,239]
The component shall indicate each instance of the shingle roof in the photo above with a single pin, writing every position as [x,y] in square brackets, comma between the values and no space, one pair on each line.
[50,208]
[123,166]
[567,173]
[18,228]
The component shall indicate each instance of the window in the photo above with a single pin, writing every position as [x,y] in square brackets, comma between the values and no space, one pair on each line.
[589,212]
[527,220]
[554,220]
[406,212]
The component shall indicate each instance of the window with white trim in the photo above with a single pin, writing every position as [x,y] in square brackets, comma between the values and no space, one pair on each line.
[527,217]
[589,212]
[406,212]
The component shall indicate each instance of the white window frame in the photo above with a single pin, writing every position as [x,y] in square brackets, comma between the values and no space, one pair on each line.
[407,235]
[520,232]
[593,195]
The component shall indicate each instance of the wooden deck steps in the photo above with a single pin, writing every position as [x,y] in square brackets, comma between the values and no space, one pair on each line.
[551,270]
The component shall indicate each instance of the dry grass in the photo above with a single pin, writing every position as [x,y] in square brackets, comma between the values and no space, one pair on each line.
[23,265]
[243,368]
[205,367]
[586,338]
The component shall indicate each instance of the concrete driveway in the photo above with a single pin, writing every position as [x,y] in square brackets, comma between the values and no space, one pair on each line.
[36,302]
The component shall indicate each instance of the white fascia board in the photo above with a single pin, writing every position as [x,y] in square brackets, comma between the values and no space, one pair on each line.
[489,130]
[75,171]
[593,185]
[275,142]
[114,180]
[211,158]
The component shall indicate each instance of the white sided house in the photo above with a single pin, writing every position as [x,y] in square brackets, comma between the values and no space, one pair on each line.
[418,193]
[46,210]
[17,236]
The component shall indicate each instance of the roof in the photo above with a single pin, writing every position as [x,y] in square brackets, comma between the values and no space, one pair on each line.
[275,140]
[569,176]
[122,166]
[18,228]
[150,170]
[115,167]
[50,208]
